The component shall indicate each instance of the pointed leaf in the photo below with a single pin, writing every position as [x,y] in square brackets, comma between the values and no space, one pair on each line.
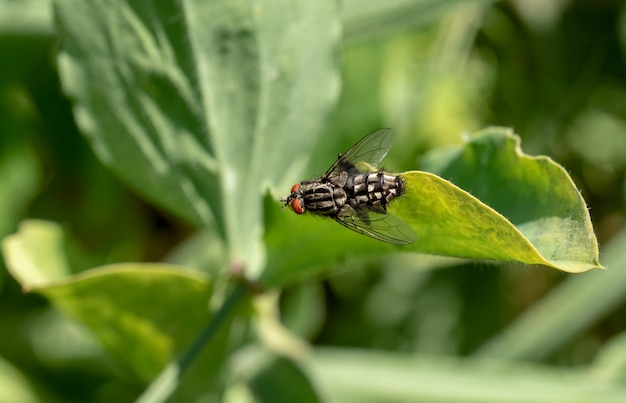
[514,208]
[535,194]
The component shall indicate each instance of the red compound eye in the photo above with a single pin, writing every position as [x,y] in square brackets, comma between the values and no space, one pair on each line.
[296,204]
[295,188]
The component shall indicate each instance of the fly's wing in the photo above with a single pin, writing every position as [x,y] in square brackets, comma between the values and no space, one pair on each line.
[368,152]
[381,226]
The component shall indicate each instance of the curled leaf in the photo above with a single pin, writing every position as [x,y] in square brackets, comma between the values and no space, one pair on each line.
[497,204]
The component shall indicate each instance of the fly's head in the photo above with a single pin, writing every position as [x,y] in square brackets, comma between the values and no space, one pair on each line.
[295,199]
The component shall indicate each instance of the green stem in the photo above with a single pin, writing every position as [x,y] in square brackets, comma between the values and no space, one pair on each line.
[164,385]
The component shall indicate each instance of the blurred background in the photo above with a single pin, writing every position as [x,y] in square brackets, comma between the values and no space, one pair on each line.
[554,71]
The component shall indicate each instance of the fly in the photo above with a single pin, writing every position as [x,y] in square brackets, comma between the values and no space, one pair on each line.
[355,193]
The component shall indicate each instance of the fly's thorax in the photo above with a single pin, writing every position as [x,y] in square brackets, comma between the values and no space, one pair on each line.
[323,197]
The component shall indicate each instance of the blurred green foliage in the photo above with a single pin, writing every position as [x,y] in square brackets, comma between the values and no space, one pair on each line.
[554,71]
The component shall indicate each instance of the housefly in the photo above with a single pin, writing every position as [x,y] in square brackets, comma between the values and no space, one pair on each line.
[355,193]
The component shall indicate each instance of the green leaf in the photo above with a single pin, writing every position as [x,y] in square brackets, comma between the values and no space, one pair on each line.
[452,222]
[194,103]
[507,206]
[155,308]
[154,327]
[535,195]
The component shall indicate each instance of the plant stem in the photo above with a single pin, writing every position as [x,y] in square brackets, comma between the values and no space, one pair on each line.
[164,385]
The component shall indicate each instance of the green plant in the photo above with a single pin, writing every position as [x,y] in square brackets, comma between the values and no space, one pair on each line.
[208,109]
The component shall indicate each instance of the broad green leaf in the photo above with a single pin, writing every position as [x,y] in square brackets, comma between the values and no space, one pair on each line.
[452,222]
[343,375]
[137,305]
[514,208]
[143,314]
[535,194]
[194,103]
